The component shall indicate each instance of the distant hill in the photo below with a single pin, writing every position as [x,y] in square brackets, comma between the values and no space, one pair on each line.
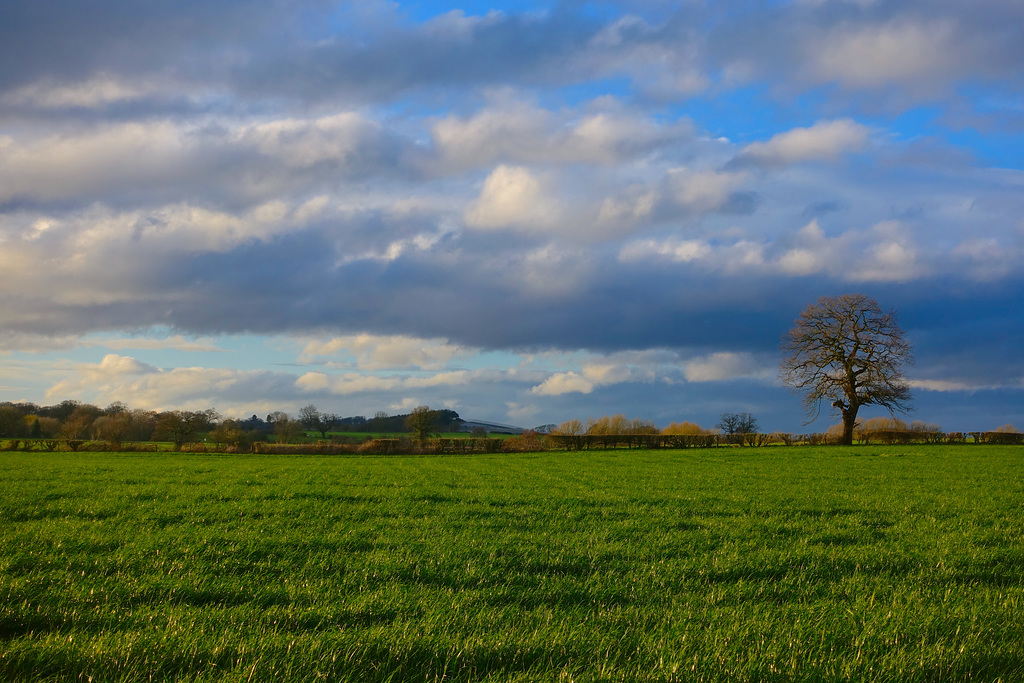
[489,427]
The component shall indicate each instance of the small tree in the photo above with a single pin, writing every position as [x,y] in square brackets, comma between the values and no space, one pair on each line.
[684,427]
[181,426]
[286,430]
[849,352]
[421,423]
[572,433]
[737,423]
[112,428]
[74,431]
[313,419]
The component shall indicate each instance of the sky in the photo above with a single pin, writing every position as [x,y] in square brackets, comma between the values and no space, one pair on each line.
[526,212]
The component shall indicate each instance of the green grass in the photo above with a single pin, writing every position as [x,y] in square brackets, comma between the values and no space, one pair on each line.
[804,564]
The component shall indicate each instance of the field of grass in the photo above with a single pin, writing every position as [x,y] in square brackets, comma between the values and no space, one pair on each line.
[803,564]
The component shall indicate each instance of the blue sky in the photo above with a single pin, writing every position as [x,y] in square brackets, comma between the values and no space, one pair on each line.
[525,212]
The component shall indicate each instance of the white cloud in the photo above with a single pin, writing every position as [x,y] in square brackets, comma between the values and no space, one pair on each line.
[650,365]
[378,352]
[99,90]
[36,343]
[551,271]
[893,257]
[884,253]
[665,69]
[56,166]
[942,385]
[313,382]
[405,405]
[518,413]
[672,249]
[249,161]
[347,383]
[825,140]
[514,132]
[563,383]
[901,51]
[629,210]
[302,143]
[987,259]
[109,375]
[512,197]
[91,248]
[726,365]
[176,342]
[815,253]
[703,190]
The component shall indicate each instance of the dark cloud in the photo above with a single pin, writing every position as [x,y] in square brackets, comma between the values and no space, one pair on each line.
[65,40]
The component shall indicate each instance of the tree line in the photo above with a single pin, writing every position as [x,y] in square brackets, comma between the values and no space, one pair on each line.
[72,423]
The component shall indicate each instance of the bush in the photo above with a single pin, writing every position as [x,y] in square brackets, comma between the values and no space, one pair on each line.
[529,442]
[387,447]
[1003,438]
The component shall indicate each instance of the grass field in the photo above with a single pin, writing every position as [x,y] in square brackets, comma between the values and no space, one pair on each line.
[802,564]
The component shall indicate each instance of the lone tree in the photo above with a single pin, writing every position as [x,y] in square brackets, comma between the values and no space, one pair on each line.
[421,422]
[311,418]
[846,350]
[737,423]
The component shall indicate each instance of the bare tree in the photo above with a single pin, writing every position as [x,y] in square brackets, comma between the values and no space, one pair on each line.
[737,423]
[849,352]
[313,419]
[286,430]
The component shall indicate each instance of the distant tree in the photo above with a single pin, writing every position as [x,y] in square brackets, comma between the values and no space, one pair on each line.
[608,424]
[61,411]
[49,427]
[683,428]
[141,424]
[846,350]
[1007,429]
[447,420]
[235,435]
[114,428]
[181,426]
[86,412]
[12,421]
[737,423]
[641,426]
[573,429]
[570,428]
[356,423]
[286,430]
[421,422]
[115,408]
[867,430]
[313,419]
[75,429]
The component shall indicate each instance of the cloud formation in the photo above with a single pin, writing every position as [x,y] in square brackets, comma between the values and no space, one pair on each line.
[421,199]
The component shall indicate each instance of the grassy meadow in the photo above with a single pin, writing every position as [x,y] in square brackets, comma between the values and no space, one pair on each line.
[779,564]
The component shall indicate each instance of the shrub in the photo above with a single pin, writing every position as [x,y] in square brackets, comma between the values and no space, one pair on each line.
[387,447]
[683,427]
[528,442]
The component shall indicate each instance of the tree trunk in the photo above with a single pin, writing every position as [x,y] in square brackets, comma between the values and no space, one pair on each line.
[849,421]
